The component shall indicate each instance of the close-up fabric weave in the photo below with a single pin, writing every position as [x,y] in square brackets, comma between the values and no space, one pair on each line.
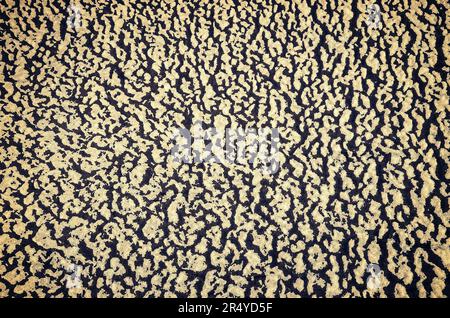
[127,166]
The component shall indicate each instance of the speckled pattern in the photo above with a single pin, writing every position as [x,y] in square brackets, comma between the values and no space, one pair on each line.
[88,103]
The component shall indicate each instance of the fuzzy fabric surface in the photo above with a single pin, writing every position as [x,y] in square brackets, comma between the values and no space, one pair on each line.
[92,204]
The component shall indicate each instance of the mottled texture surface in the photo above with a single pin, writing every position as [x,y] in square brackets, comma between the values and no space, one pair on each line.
[86,176]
